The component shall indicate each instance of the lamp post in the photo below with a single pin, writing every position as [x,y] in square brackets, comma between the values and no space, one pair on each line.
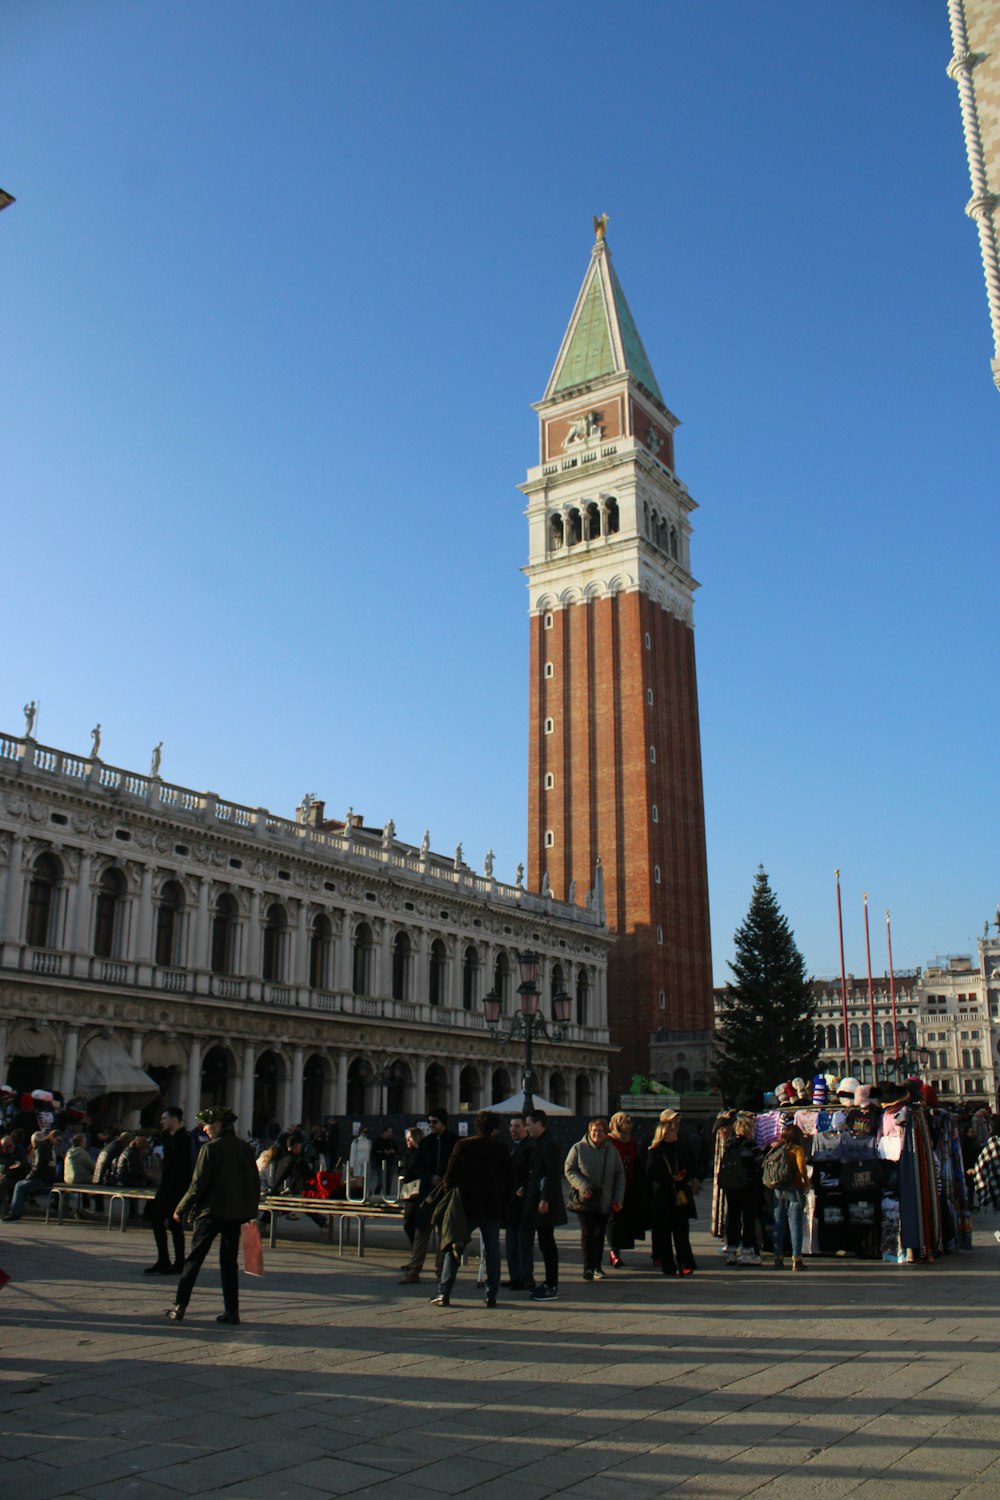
[527,1023]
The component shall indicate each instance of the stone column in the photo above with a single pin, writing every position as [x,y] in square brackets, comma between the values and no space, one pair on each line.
[455,1091]
[71,1048]
[455,972]
[419,1085]
[340,1089]
[14,896]
[345,979]
[252,969]
[382,978]
[79,922]
[298,969]
[245,1111]
[295,1086]
[420,980]
[284,1089]
[192,1102]
[199,957]
[144,924]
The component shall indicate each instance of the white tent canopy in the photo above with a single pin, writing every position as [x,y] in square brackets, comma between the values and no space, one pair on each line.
[515,1105]
[106,1068]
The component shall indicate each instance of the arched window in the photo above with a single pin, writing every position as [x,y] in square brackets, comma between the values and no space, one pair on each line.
[574,528]
[878,1033]
[265,1093]
[558,1090]
[556,535]
[584,1094]
[314,1077]
[966,1058]
[855,1035]
[557,982]
[435,1088]
[168,924]
[215,1077]
[439,967]
[820,1038]
[681,1081]
[501,980]
[831,1037]
[41,901]
[224,935]
[866,1034]
[977,1057]
[364,948]
[501,1087]
[402,958]
[358,1078]
[593,516]
[550,781]
[550,838]
[911,1033]
[673,542]
[470,978]
[468,1088]
[272,964]
[582,1003]
[107,922]
[840,1036]
[320,946]
[611,513]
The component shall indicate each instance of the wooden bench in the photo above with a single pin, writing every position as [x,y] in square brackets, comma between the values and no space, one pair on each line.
[60,1191]
[340,1209]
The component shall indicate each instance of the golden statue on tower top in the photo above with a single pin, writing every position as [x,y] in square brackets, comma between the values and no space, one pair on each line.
[600,225]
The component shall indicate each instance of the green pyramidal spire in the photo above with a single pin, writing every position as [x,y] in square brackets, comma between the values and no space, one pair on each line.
[602,338]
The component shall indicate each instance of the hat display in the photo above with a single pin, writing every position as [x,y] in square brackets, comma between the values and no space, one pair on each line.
[863,1096]
[848,1088]
[785,1094]
[819,1089]
[894,1094]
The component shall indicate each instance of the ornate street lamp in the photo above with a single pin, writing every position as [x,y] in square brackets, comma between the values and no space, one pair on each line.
[527,1023]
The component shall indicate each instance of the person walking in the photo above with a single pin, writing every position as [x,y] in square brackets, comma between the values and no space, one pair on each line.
[359,1162]
[673,1185]
[175,1179]
[596,1177]
[739,1178]
[544,1209]
[384,1160]
[433,1154]
[480,1168]
[223,1195]
[629,1225]
[519,1239]
[785,1163]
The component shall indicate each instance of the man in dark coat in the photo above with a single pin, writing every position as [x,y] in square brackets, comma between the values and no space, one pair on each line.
[431,1164]
[519,1239]
[544,1209]
[13,1167]
[223,1195]
[41,1173]
[480,1168]
[174,1181]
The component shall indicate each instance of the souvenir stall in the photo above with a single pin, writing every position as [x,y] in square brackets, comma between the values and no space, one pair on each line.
[886,1173]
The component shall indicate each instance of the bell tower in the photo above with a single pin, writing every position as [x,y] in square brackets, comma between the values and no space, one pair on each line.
[614,750]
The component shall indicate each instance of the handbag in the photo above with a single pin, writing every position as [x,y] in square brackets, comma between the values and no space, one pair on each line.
[580,1205]
[253,1251]
[409,1189]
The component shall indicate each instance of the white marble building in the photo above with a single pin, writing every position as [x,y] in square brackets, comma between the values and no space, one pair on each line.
[162,943]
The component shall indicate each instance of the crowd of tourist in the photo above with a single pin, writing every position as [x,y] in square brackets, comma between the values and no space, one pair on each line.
[509,1178]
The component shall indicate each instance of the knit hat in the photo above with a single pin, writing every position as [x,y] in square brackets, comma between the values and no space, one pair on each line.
[801,1088]
[819,1089]
[862,1096]
[848,1088]
[785,1094]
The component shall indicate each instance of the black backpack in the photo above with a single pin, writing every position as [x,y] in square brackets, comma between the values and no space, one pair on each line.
[733,1176]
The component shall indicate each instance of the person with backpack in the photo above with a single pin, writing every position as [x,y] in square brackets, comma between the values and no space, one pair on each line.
[784,1172]
[739,1179]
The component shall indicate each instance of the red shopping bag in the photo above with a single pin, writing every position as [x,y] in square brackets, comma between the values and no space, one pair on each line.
[253,1250]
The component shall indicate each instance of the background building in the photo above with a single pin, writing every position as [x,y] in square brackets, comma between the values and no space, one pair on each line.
[160,943]
[614,749]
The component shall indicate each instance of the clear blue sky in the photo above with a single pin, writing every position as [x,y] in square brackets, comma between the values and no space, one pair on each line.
[278,289]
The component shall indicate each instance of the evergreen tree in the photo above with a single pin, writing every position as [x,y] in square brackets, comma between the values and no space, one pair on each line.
[766,1032]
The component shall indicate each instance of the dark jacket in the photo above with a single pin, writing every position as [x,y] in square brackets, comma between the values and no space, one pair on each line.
[545,1182]
[13,1165]
[42,1162]
[432,1157]
[480,1168]
[662,1190]
[176,1174]
[225,1183]
[521,1153]
[291,1173]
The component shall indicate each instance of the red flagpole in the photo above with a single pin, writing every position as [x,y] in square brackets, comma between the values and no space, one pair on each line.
[871,994]
[843,979]
[892,994]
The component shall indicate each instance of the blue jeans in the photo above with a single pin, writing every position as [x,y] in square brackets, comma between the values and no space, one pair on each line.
[491,1244]
[26,1188]
[789,1205]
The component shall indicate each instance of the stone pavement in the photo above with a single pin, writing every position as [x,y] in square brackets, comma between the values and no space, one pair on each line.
[856,1379]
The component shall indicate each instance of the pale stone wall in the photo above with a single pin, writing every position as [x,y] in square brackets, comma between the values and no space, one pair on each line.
[975,67]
